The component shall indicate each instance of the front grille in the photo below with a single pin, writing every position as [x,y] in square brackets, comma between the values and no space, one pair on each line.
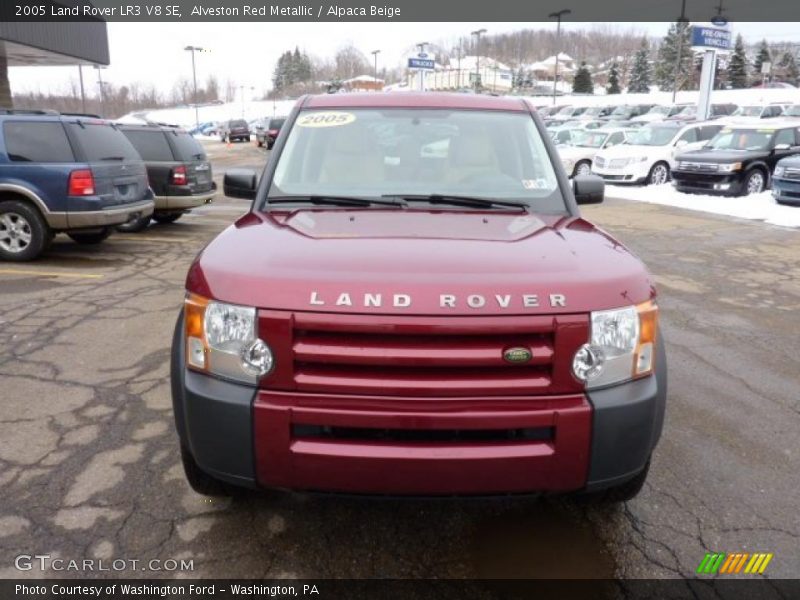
[788,194]
[698,166]
[362,434]
[426,356]
[614,177]
[618,163]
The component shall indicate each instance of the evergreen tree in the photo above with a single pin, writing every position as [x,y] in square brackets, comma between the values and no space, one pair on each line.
[582,83]
[788,64]
[762,56]
[639,82]
[665,76]
[737,67]
[613,79]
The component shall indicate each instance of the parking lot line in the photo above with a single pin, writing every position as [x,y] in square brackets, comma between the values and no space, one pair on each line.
[50,273]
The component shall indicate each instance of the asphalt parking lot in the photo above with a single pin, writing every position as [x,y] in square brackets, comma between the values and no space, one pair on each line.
[89,463]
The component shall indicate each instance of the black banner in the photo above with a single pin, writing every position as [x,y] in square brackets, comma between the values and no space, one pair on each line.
[380,589]
[585,11]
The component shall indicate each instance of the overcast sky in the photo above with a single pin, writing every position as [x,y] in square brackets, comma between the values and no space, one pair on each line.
[247,52]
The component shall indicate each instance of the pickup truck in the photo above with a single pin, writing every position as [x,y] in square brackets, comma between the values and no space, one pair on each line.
[414,305]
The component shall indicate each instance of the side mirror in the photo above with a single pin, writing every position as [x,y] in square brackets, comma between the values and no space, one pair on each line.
[240,183]
[588,189]
[782,146]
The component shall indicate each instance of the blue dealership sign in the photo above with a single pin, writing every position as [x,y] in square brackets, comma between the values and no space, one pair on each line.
[420,63]
[711,38]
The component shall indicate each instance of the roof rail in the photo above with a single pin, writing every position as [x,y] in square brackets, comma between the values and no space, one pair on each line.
[87,115]
[26,111]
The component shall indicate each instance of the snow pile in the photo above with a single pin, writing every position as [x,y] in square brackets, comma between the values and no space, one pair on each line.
[184,116]
[756,207]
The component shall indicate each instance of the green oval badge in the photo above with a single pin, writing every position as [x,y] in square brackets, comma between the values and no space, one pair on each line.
[517,355]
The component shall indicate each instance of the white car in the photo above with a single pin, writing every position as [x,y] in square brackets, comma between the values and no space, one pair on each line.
[648,155]
[754,112]
[659,113]
[568,112]
[577,155]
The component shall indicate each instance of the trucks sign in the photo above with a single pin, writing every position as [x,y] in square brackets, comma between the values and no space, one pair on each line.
[711,38]
[421,63]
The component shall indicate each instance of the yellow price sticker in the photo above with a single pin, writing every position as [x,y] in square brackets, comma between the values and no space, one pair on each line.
[325,119]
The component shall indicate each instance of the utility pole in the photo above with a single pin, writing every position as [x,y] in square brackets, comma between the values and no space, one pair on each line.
[83,92]
[478,33]
[681,28]
[375,55]
[100,84]
[557,15]
[194,49]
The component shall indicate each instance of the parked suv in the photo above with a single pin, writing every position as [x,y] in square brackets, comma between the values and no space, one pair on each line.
[738,161]
[177,168]
[414,305]
[234,130]
[786,181]
[58,173]
[267,132]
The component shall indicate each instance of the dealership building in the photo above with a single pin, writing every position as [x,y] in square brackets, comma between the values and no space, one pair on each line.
[49,44]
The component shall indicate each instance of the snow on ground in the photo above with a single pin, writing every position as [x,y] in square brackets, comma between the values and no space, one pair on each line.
[185,115]
[757,207]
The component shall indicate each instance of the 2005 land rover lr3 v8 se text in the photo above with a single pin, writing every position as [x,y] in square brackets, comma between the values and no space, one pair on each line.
[413,305]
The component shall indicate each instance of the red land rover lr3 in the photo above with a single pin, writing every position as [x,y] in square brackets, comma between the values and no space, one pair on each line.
[414,305]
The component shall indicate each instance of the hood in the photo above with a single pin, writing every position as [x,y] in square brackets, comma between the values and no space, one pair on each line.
[418,262]
[575,152]
[721,156]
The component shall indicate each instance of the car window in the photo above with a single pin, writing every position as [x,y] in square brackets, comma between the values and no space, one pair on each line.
[615,138]
[707,132]
[238,123]
[371,152]
[785,136]
[100,141]
[186,147]
[30,141]
[689,136]
[151,145]
[741,139]
[653,136]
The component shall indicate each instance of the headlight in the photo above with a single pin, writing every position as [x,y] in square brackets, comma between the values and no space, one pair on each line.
[779,171]
[642,159]
[730,167]
[222,339]
[620,348]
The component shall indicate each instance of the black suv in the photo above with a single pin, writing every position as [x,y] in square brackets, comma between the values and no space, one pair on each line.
[267,131]
[75,174]
[738,161]
[233,130]
[177,168]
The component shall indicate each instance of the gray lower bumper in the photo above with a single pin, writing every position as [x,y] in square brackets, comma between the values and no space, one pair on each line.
[627,423]
[170,203]
[115,215]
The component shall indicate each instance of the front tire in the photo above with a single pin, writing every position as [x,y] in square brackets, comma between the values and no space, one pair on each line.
[754,183]
[24,235]
[659,174]
[90,239]
[618,493]
[584,167]
[200,481]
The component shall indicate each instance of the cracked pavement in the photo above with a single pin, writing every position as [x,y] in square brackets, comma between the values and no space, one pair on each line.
[89,462]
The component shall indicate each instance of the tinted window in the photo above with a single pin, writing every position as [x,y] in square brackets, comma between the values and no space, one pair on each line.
[785,136]
[29,141]
[689,136]
[238,123]
[151,145]
[101,141]
[186,147]
[276,123]
[707,132]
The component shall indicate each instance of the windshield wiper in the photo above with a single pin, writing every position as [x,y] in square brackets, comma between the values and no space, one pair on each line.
[470,201]
[332,200]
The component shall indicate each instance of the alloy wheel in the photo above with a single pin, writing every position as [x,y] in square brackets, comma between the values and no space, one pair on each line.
[755,183]
[15,232]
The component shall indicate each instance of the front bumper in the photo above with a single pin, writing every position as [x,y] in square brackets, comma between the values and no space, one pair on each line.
[632,173]
[260,438]
[725,184]
[786,191]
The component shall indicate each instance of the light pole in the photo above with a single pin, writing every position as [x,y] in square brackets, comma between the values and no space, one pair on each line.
[421,48]
[375,55]
[100,84]
[477,33]
[557,15]
[241,92]
[682,22]
[194,49]
[83,93]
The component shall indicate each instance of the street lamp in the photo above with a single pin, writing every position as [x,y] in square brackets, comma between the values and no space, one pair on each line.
[477,33]
[421,48]
[194,49]
[557,15]
[100,84]
[375,54]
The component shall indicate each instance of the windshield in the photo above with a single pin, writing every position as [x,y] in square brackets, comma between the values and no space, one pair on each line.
[587,139]
[652,136]
[369,153]
[792,111]
[659,110]
[748,111]
[567,110]
[621,111]
[689,111]
[742,139]
[594,111]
